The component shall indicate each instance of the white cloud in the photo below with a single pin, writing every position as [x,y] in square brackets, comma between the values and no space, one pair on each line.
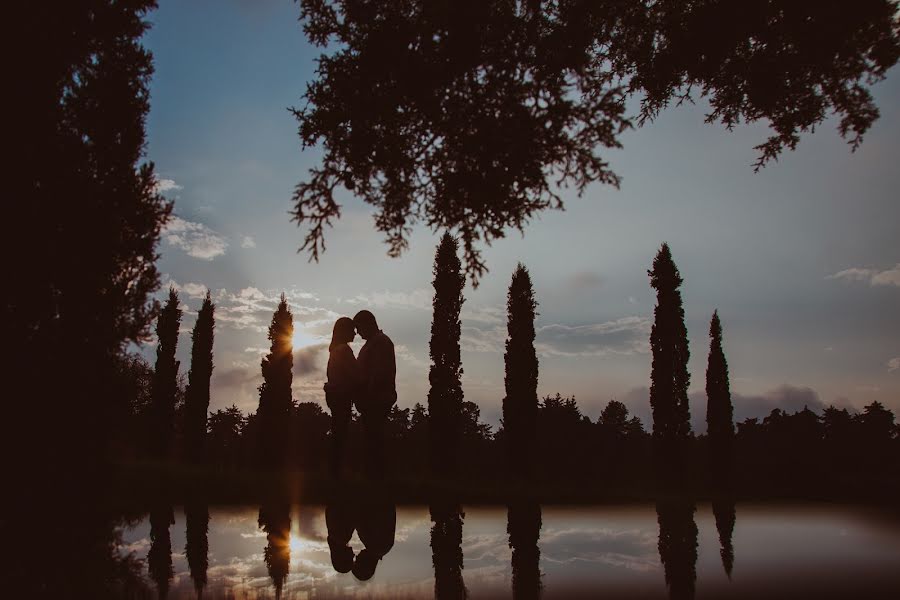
[627,335]
[894,364]
[248,242]
[417,299]
[193,290]
[166,185]
[871,276]
[196,239]
[403,352]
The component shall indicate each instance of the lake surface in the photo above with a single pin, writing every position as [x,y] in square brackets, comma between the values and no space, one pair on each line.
[643,551]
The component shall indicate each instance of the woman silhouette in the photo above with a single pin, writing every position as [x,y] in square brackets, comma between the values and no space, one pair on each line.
[341,387]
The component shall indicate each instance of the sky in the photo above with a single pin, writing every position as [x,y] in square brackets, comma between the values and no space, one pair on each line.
[802,260]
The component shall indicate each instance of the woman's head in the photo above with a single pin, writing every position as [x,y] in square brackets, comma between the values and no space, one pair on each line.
[344,331]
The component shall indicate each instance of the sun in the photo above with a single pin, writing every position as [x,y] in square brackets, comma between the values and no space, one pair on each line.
[302,338]
[296,544]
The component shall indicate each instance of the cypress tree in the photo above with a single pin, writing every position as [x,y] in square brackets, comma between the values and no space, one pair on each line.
[669,379]
[165,376]
[275,401]
[520,406]
[197,396]
[719,411]
[445,397]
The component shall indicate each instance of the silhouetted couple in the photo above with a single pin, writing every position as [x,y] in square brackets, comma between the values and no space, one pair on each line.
[366,382]
[375,521]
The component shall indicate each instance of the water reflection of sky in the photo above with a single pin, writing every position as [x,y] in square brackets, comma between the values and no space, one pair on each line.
[584,552]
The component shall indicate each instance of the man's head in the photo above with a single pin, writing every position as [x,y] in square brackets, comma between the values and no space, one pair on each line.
[365,324]
[364,565]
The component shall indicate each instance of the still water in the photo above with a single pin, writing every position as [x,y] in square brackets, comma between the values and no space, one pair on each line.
[638,551]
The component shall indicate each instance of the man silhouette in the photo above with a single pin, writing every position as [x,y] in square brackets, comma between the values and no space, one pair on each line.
[378,371]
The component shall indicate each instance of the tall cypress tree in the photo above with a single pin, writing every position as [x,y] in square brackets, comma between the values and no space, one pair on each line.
[520,406]
[275,401]
[445,397]
[165,376]
[669,379]
[196,402]
[719,411]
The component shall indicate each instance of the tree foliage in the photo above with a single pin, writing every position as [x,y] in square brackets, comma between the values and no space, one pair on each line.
[197,397]
[669,376]
[165,378]
[445,396]
[83,219]
[520,405]
[275,402]
[470,116]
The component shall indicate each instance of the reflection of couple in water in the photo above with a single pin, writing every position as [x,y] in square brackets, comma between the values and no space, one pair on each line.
[374,519]
[366,382]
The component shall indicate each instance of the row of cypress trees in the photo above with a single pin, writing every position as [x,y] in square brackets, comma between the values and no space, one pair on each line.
[165,379]
[670,378]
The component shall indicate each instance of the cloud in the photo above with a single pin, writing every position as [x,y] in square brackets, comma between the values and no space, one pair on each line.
[307,359]
[166,185]
[193,290]
[403,353]
[248,242]
[627,336]
[196,239]
[473,339]
[871,276]
[583,280]
[416,299]
[893,364]
[483,314]
[252,308]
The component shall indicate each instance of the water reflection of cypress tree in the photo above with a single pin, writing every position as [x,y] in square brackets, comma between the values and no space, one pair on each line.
[726,515]
[159,559]
[445,396]
[524,529]
[678,546]
[275,521]
[446,550]
[196,548]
